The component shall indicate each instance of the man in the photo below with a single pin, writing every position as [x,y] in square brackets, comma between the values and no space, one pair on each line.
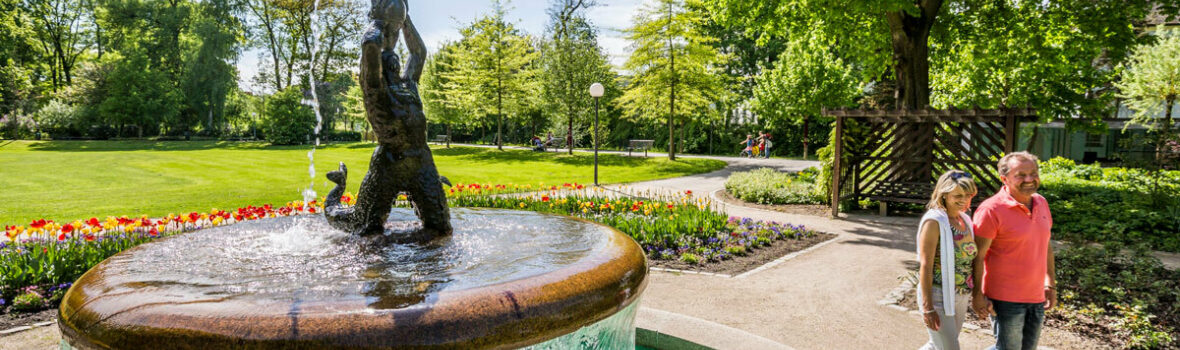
[1015,261]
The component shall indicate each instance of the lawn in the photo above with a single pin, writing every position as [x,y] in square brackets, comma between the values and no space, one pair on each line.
[68,180]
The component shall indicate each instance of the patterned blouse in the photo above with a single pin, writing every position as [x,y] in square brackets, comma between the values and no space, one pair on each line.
[965,251]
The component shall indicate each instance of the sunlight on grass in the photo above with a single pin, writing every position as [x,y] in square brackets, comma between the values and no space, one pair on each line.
[70,180]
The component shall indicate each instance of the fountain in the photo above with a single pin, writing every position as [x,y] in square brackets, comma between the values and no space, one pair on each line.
[370,275]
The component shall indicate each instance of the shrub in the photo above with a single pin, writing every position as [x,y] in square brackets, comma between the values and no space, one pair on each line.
[288,121]
[690,258]
[341,136]
[1131,290]
[768,186]
[1146,204]
[30,299]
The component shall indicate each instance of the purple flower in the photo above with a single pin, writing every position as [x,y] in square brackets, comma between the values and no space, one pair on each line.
[2,302]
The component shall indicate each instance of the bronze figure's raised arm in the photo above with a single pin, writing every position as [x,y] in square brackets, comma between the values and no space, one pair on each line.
[402,161]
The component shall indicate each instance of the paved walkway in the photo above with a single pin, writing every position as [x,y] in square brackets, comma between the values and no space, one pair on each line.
[825,299]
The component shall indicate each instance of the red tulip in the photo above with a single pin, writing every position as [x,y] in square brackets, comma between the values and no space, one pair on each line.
[544,198]
[67,228]
[92,222]
[61,237]
[38,223]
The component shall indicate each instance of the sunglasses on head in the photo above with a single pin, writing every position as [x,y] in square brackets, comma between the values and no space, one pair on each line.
[960,175]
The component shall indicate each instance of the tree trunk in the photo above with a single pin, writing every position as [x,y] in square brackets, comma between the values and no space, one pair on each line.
[911,51]
[910,43]
[449,135]
[672,94]
[806,122]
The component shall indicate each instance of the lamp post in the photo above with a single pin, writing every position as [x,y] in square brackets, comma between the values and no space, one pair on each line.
[596,91]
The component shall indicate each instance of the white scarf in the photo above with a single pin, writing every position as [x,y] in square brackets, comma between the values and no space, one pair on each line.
[947,242]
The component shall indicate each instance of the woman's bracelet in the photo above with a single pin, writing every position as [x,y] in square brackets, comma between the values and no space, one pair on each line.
[930,312]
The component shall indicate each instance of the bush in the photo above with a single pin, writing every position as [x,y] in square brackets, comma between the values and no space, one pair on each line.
[768,186]
[1130,291]
[30,299]
[341,136]
[287,120]
[1146,204]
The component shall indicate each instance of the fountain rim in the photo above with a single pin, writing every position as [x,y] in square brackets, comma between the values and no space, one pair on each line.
[545,306]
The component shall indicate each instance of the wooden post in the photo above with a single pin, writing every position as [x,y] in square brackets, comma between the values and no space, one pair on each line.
[838,152]
[1009,133]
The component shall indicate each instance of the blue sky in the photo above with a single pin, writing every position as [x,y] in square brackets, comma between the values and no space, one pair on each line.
[439,20]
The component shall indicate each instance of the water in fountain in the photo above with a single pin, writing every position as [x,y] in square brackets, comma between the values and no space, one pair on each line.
[309,194]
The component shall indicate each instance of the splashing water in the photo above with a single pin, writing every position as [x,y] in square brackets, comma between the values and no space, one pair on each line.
[309,193]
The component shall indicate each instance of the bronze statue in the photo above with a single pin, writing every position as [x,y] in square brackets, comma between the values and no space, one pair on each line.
[402,161]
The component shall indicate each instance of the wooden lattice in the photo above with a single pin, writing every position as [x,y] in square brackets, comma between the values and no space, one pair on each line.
[897,155]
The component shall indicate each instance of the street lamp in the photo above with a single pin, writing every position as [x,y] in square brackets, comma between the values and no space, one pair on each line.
[596,91]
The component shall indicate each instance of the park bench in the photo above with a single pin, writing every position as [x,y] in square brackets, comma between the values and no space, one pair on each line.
[440,139]
[640,144]
[901,192]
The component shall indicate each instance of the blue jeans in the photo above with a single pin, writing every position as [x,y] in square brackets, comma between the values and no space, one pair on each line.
[1017,325]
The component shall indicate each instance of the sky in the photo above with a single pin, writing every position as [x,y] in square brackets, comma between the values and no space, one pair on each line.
[439,21]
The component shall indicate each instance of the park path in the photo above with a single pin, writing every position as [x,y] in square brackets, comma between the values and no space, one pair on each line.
[827,298]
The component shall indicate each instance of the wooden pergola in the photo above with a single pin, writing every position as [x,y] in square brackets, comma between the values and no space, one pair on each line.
[897,155]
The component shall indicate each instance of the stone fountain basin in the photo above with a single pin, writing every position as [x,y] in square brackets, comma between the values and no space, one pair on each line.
[505,279]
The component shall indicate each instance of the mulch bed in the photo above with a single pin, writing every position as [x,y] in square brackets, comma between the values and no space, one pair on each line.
[10,320]
[804,209]
[752,260]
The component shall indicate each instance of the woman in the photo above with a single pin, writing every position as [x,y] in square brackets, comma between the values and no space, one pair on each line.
[946,249]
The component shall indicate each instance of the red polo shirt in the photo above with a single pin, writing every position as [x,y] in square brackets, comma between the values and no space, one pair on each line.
[1015,266]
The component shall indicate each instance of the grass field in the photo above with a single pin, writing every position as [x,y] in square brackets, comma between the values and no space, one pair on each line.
[67,180]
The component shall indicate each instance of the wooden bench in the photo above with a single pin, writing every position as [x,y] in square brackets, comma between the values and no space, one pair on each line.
[439,139]
[901,192]
[640,144]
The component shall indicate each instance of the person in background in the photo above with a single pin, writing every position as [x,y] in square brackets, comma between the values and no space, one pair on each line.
[748,143]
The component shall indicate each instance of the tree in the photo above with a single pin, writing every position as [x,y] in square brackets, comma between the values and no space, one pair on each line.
[571,61]
[209,75]
[1151,82]
[63,32]
[1057,49]
[443,99]
[670,59]
[502,66]
[287,120]
[805,80]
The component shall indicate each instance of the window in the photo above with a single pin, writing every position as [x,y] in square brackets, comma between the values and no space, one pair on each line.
[1095,140]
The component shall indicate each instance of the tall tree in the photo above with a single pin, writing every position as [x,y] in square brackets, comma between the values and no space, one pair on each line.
[210,76]
[1025,42]
[1151,83]
[806,79]
[62,27]
[671,64]
[503,66]
[443,98]
[571,61]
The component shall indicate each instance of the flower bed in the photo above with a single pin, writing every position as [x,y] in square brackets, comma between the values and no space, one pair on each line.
[41,259]
[668,226]
[769,186]
[45,255]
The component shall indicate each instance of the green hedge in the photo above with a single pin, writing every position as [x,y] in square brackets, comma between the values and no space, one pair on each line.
[1130,206]
[769,186]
